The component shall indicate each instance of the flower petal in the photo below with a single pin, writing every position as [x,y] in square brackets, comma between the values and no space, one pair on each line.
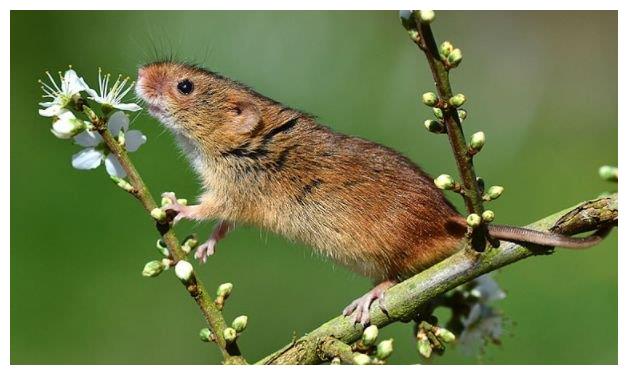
[88,158]
[88,139]
[128,107]
[53,110]
[133,140]
[117,121]
[72,84]
[113,166]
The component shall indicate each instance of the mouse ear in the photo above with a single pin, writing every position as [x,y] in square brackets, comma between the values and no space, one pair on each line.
[247,116]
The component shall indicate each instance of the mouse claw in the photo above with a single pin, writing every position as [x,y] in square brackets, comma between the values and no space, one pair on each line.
[175,210]
[205,250]
[358,310]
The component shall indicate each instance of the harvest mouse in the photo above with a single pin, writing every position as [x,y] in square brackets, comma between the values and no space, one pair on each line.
[361,204]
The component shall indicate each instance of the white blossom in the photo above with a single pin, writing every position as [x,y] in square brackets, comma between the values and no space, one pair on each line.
[113,96]
[95,151]
[60,94]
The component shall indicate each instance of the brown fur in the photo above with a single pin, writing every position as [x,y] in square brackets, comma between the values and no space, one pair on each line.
[361,204]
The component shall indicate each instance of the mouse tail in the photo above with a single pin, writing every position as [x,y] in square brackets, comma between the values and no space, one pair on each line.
[531,236]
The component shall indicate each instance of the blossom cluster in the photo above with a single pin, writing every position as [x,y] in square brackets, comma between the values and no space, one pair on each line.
[68,101]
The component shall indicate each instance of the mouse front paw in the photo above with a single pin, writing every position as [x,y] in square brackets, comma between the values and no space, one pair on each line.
[175,209]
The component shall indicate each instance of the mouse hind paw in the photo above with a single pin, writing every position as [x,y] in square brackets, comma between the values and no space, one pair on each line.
[359,309]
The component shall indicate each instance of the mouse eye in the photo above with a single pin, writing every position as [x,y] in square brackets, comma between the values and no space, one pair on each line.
[185,87]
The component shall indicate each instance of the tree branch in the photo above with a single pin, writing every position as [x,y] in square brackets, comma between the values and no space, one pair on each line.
[213,316]
[424,39]
[403,301]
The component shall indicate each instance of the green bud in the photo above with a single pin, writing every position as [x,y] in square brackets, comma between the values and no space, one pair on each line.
[444,182]
[462,114]
[488,216]
[361,359]
[152,268]
[438,113]
[158,214]
[434,126]
[445,48]
[161,246]
[474,220]
[455,57]
[457,100]
[230,334]
[369,336]
[166,201]
[122,183]
[608,173]
[384,349]
[239,323]
[224,290]
[189,243]
[182,201]
[183,270]
[426,16]
[429,99]
[494,192]
[424,347]
[206,335]
[477,141]
[167,262]
[444,334]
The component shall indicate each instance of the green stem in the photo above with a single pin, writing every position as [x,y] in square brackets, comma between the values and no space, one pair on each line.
[404,300]
[464,160]
[213,316]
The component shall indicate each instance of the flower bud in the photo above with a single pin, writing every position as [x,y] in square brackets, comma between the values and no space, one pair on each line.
[166,201]
[66,128]
[494,192]
[206,335]
[239,323]
[182,201]
[224,290]
[434,126]
[477,141]
[445,48]
[609,173]
[384,349]
[455,57]
[474,220]
[426,16]
[183,270]
[462,114]
[444,334]
[488,216]
[167,262]
[438,113]
[122,183]
[189,243]
[424,347]
[230,334]
[161,246]
[369,336]
[121,138]
[361,359]
[335,361]
[457,100]
[158,214]
[444,182]
[152,268]
[429,99]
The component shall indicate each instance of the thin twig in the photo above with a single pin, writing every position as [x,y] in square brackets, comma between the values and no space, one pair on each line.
[464,160]
[213,316]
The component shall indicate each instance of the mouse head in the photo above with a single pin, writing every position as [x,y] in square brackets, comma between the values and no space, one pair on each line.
[198,104]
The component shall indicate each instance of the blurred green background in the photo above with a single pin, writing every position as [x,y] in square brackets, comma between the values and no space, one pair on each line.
[542,85]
